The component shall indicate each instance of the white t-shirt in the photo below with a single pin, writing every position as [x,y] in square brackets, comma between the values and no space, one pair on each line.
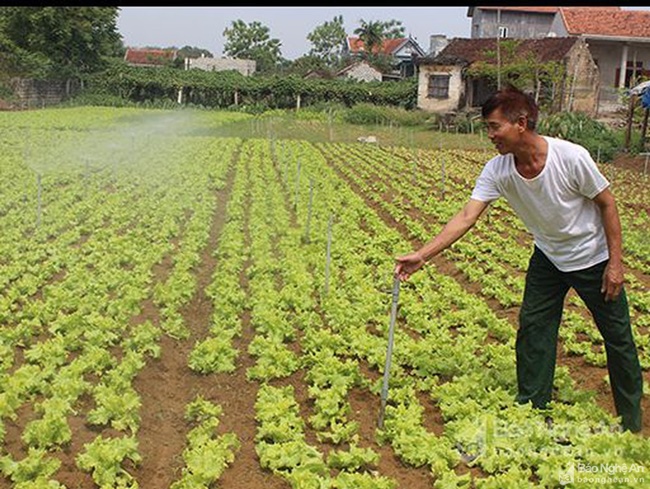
[556,206]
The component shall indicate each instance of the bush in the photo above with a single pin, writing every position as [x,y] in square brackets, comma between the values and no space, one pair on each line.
[6,93]
[102,100]
[369,114]
[327,106]
[601,141]
[256,108]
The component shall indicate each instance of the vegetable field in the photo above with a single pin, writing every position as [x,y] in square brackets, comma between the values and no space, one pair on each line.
[184,308]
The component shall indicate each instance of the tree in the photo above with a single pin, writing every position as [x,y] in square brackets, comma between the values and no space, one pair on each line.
[304,64]
[57,42]
[193,52]
[328,41]
[524,70]
[189,52]
[252,41]
[393,29]
[373,33]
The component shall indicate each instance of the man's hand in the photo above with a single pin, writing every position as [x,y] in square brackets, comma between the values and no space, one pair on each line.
[407,265]
[613,280]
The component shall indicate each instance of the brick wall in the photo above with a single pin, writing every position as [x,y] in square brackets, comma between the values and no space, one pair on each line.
[583,83]
[30,93]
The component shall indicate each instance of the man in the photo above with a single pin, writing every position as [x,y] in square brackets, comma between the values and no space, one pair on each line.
[565,202]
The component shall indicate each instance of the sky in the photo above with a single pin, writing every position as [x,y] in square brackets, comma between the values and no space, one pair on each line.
[203,27]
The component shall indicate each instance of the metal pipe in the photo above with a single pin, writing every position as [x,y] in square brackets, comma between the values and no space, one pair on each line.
[389,351]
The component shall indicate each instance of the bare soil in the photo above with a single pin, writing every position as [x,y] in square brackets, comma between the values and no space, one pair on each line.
[632,162]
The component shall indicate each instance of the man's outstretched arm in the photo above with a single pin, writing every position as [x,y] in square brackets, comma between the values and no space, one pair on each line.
[462,222]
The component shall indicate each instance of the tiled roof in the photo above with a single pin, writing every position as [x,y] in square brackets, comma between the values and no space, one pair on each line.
[599,22]
[389,46]
[544,10]
[461,50]
[146,56]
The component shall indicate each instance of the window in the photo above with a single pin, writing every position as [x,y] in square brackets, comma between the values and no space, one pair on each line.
[439,86]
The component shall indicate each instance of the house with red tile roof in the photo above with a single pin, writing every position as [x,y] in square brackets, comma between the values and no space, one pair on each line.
[403,52]
[619,40]
[516,22]
[446,85]
[149,56]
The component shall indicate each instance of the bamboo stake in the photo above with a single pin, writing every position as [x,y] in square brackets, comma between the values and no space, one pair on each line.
[328,254]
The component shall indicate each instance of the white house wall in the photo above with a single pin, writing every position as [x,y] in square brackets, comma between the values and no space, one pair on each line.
[363,72]
[609,55]
[245,66]
[558,29]
[456,89]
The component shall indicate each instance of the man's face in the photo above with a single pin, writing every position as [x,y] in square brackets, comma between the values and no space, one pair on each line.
[505,135]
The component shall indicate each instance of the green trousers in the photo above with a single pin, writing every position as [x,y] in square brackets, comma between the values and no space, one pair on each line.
[539,321]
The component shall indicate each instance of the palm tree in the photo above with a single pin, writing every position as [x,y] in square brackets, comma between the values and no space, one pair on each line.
[371,34]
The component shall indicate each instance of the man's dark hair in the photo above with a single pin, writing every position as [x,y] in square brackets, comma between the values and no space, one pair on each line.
[513,104]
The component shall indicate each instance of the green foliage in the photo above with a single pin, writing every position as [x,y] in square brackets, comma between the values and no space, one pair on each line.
[600,140]
[369,114]
[52,429]
[373,33]
[347,480]
[252,41]
[103,459]
[328,41]
[354,459]
[507,64]
[206,455]
[214,354]
[252,94]
[365,114]
[193,52]
[98,100]
[57,42]
[523,70]
[312,63]
[6,93]
[35,467]
[322,111]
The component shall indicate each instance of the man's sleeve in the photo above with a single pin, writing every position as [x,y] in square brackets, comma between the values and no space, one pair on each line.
[485,188]
[589,180]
